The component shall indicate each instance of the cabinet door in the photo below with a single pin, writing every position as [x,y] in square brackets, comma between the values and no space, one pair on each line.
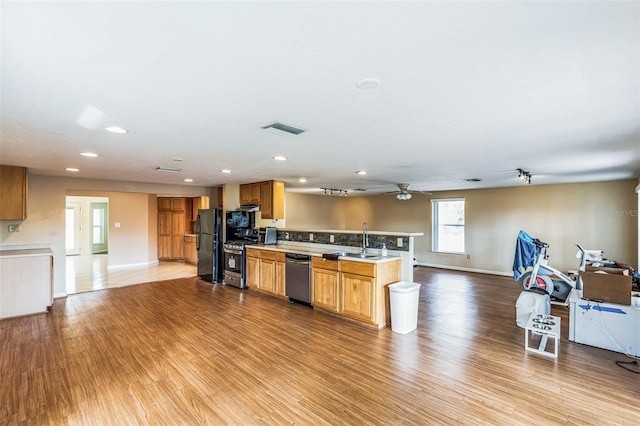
[178,204]
[267,275]
[357,296]
[245,193]
[13,193]
[279,284]
[266,200]
[325,289]
[253,272]
[164,203]
[164,235]
[255,193]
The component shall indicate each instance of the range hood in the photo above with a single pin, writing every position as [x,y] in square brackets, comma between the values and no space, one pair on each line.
[249,207]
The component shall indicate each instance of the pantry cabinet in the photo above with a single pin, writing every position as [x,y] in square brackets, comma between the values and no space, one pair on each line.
[13,193]
[172,220]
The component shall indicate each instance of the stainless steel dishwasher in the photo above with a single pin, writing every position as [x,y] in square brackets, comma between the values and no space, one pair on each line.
[298,277]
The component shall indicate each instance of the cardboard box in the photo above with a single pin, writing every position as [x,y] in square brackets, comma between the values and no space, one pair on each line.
[611,288]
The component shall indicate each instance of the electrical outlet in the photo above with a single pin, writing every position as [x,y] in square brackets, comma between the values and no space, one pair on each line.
[468,256]
[286,235]
[399,242]
[14,228]
[310,237]
[331,239]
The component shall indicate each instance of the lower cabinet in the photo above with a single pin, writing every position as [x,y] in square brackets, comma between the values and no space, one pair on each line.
[325,283]
[252,275]
[190,251]
[279,285]
[357,296]
[267,271]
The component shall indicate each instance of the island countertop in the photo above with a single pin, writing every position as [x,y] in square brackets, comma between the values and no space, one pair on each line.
[317,251]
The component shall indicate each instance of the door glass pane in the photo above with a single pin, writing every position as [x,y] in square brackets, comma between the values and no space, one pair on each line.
[70,227]
[98,215]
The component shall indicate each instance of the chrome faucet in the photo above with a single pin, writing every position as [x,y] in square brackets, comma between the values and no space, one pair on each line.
[365,238]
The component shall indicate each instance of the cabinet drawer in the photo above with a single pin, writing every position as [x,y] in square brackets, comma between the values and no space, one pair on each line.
[359,268]
[253,252]
[268,255]
[322,263]
[280,256]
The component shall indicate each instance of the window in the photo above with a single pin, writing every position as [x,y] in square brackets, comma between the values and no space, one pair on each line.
[448,225]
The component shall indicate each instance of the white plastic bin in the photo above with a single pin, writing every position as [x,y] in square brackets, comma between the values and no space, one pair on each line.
[404,297]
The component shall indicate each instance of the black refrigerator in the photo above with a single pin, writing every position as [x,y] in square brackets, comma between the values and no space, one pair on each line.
[209,245]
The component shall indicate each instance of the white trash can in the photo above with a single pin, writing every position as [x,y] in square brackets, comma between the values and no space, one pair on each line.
[404,297]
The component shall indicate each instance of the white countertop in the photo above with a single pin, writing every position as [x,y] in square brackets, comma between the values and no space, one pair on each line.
[356,231]
[316,251]
[25,253]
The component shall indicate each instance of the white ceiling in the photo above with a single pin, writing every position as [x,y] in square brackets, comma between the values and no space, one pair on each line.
[469,90]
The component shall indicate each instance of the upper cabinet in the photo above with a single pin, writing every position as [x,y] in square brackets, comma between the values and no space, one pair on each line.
[13,193]
[268,194]
[199,203]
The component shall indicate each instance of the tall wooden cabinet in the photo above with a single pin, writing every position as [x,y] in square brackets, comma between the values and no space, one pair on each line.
[13,193]
[172,220]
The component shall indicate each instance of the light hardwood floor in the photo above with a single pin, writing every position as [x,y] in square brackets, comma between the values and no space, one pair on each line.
[89,273]
[187,352]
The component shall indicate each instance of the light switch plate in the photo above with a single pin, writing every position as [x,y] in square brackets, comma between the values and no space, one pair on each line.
[14,228]
[310,237]
[331,239]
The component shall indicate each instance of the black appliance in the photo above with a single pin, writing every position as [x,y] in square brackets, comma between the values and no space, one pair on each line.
[298,277]
[240,233]
[209,244]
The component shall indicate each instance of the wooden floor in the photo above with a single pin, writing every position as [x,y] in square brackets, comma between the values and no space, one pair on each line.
[187,352]
[92,272]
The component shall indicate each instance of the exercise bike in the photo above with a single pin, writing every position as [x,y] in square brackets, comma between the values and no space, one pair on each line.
[545,277]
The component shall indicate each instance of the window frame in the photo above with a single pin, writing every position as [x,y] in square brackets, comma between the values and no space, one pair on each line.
[435,224]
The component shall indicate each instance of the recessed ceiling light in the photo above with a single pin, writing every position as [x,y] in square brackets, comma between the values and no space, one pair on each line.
[116,129]
[88,154]
[280,158]
[302,180]
[188,180]
[225,171]
[72,169]
[368,83]
[361,172]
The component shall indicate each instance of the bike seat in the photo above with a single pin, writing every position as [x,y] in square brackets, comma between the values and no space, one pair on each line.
[540,243]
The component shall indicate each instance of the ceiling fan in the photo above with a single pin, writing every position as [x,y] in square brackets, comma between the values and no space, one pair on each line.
[404,194]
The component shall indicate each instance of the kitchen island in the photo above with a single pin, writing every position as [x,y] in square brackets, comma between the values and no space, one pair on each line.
[349,286]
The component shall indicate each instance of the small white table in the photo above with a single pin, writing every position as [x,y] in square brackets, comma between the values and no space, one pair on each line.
[544,326]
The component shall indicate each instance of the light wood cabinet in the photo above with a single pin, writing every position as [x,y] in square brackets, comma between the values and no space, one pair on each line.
[252,275]
[198,203]
[267,271]
[250,193]
[325,282]
[190,252]
[268,194]
[279,285]
[172,221]
[357,293]
[13,193]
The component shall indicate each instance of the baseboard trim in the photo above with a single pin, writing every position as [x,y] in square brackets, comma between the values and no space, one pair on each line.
[59,295]
[132,265]
[463,269]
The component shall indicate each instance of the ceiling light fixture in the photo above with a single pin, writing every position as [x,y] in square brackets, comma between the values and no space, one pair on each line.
[280,158]
[88,154]
[116,129]
[188,180]
[72,169]
[524,176]
[361,172]
[404,196]
[368,83]
[225,171]
[302,180]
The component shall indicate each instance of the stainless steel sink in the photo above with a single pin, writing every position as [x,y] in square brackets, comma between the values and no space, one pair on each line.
[361,256]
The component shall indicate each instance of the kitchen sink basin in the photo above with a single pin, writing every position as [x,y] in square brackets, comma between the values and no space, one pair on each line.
[361,256]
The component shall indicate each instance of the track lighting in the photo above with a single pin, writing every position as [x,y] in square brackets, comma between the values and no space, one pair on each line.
[332,191]
[524,176]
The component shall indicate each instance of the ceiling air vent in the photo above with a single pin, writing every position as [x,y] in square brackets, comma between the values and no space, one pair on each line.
[168,169]
[284,128]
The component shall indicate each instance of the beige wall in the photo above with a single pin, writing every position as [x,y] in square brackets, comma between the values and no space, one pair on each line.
[600,215]
[130,203]
[314,211]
